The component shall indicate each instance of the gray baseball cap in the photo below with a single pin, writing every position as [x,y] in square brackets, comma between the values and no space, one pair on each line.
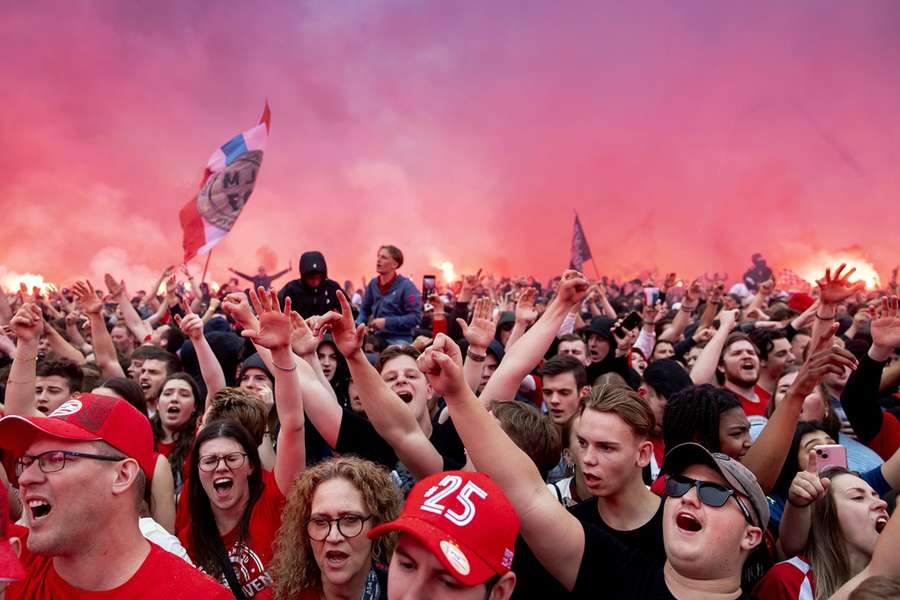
[739,478]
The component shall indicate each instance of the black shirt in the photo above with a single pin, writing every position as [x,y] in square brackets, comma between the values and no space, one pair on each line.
[610,570]
[646,539]
[357,436]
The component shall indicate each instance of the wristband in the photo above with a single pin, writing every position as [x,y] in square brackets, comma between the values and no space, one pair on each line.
[688,308]
[476,357]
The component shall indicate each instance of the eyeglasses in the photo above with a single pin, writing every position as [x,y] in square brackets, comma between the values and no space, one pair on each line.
[709,493]
[210,462]
[348,526]
[55,460]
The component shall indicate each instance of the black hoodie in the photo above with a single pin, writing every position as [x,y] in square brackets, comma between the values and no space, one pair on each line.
[306,300]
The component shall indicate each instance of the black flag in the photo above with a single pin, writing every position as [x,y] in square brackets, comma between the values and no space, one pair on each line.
[580,250]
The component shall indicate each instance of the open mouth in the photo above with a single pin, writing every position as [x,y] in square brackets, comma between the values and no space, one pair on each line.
[42,408]
[880,524]
[336,558]
[173,410]
[223,485]
[39,509]
[405,395]
[688,522]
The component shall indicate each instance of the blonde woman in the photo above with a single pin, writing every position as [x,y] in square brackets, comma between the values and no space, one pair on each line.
[322,550]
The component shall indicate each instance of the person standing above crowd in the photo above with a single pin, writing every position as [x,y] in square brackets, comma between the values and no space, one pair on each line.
[392,307]
[313,294]
[262,278]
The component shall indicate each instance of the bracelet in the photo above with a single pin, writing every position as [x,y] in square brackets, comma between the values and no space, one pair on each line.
[293,368]
[476,357]
[26,359]
[688,308]
[21,381]
[818,316]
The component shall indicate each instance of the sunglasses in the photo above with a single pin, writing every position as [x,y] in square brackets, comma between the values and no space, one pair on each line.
[709,493]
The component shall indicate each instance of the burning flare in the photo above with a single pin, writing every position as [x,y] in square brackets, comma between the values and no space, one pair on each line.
[814,268]
[446,268]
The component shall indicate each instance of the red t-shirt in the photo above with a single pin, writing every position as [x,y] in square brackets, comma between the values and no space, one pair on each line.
[789,580]
[161,575]
[251,556]
[755,409]
[886,442]
[165,448]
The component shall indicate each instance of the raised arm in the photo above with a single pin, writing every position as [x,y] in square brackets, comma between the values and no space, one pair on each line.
[832,291]
[704,370]
[530,349]
[153,291]
[274,333]
[249,278]
[27,325]
[479,334]
[61,346]
[766,456]
[132,319]
[390,416]
[494,453]
[104,349]
[210,368]
[526,315]
[683,318]
[806,488]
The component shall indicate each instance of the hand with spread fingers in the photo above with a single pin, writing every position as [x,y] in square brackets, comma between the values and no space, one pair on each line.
[886,328]
[837,288]
[481,331]
[525,310]
[86,297]
[303,341]
[825,358]
[274,330]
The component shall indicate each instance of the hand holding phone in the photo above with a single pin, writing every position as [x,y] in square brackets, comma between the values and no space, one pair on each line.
[829,456]
[628,323]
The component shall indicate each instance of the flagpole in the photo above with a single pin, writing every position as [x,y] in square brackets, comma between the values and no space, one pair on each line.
[206,266]
[596,272]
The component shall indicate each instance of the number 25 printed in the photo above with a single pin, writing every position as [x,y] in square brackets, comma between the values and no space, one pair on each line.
[447,486]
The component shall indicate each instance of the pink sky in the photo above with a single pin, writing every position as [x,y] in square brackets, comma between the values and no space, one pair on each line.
[688,135]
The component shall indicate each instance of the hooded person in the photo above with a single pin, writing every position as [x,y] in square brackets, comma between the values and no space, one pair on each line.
[312,294]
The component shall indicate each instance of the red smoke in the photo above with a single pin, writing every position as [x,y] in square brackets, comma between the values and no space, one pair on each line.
[687,136]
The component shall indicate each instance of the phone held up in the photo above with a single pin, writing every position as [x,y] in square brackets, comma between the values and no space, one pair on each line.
[829,456]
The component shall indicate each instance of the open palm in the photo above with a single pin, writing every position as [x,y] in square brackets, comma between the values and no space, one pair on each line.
[886,329]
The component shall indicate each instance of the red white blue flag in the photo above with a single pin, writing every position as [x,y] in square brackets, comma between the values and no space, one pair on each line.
[581,253]
[228,181]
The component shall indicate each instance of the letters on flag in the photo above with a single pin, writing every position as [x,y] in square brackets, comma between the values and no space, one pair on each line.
[228,181]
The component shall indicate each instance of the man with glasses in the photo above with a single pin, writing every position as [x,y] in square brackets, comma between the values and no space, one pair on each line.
[713,517]
[82,472]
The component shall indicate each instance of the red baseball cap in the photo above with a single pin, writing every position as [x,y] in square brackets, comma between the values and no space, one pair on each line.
[465,520]
[88,418]
[10,567]
[800,301]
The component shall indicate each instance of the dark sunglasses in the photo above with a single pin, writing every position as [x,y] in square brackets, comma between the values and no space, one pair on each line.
[709,493]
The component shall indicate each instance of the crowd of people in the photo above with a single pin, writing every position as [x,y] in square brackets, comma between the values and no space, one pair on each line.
[486,438]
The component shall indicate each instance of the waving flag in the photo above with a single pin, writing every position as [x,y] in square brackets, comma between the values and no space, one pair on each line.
[227,183]
[581,253]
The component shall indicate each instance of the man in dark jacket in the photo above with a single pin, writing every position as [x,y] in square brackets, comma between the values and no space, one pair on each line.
[312,294]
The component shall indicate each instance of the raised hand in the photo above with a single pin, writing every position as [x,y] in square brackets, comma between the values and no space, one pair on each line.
[654,314]
[347,336]
[525,310]
[303,341]
[692,295]
[442,364]
[703,335]
[274,330]
[807,486]
[728,320]
[191,324]
[669,283]
[482,330]
[886,328]
[28,323]
[825,358]
[766,288]
[572,288]
[86,297]
[716,291]
[837,288]
[237,307]
[116,288]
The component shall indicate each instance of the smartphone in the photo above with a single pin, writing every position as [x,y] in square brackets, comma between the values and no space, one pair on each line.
[829,456]
[428,284]
[651,295]
[628,323]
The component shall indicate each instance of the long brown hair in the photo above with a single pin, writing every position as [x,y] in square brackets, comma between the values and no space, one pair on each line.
[827,549]
[294,567]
